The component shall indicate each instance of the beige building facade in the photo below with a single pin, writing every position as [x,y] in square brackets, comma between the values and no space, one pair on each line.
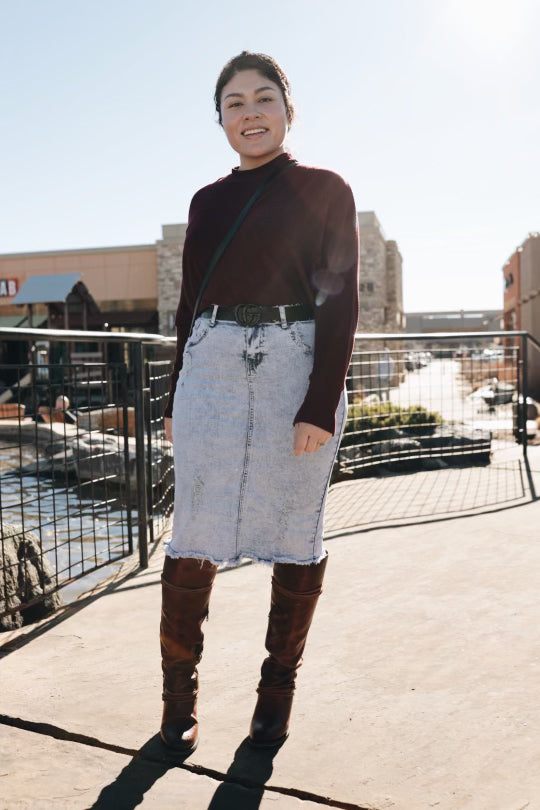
[137,287]
[122,280]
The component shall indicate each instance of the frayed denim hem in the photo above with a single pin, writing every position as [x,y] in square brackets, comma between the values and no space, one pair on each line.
[171,552]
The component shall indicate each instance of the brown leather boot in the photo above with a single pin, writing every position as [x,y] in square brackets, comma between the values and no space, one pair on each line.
[295,591]
[186,587]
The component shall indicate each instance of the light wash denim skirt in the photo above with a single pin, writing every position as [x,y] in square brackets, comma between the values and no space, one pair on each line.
[240,492]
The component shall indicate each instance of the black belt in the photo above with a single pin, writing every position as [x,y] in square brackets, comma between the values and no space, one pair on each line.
[253,314]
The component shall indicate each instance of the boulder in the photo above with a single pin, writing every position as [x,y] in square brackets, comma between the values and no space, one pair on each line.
[26,576]
[403,446]
[458,437]
[102,454]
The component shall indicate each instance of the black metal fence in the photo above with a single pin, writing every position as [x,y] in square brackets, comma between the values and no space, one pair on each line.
[421,398]
[86,474]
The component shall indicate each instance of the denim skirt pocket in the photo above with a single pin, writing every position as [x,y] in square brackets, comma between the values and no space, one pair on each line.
[302,334]
[201,327]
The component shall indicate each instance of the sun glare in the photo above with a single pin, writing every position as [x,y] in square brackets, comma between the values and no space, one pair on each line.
[490,25]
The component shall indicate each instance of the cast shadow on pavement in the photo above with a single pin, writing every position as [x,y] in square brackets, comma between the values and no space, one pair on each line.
[246,777]
[242,787]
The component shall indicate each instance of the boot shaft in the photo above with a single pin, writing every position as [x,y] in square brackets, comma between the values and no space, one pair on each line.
[294,596]
[183,610]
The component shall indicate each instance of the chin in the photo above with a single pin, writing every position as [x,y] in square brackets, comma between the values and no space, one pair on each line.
[260,150]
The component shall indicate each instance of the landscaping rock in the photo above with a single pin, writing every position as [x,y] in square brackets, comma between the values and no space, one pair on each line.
[101,454]
[458,437]
[26,576]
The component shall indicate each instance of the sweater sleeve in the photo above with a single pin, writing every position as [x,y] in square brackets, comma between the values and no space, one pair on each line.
[182,321]
[335,283]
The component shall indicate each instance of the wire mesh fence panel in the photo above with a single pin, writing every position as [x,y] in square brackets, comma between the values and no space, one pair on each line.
[159,449]
[87,475]
[408,403]
[65,478]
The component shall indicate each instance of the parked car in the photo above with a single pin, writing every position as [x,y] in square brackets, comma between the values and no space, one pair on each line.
[411,361]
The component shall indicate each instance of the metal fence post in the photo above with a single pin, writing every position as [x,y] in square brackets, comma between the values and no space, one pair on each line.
[525,392]
[142,518]
[149,468]
[123,398]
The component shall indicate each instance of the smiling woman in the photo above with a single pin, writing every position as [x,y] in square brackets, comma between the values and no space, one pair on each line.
[254,118]
[257,398]
[254,108]
[266,67]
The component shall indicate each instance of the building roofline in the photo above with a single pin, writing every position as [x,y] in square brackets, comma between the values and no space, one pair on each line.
[71,251]
[454,312]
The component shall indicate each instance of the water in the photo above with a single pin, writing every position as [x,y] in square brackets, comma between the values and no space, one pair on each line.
[82,525]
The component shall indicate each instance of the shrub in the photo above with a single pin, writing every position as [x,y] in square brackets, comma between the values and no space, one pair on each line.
[369,423]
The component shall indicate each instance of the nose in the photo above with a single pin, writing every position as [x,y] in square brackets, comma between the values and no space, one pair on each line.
[251,112]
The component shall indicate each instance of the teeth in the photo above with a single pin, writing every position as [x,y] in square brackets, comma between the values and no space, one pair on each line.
[252,131]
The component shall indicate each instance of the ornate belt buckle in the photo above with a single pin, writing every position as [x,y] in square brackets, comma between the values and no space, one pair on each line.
[248,314]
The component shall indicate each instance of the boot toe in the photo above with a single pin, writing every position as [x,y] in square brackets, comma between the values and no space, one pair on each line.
[184,740]
[264,737]
[270,724]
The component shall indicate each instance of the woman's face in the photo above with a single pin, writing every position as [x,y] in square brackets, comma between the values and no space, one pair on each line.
[254,118]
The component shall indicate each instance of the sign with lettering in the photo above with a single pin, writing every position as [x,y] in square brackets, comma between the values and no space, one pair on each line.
[8,287]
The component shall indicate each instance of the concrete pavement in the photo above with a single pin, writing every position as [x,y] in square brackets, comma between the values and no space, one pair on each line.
[418,688]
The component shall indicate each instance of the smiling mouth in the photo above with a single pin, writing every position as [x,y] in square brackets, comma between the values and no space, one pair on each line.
[250,133]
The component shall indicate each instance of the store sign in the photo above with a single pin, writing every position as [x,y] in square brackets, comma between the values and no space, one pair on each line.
[8,287]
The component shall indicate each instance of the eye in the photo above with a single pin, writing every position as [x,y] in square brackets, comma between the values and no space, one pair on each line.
[266,98]
[233,104]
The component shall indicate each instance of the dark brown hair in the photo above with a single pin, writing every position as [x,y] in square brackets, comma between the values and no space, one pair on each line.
[265,65]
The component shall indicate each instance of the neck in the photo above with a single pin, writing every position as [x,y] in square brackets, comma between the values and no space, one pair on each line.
[249,162]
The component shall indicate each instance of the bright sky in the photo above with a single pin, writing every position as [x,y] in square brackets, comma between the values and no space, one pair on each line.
[429,109]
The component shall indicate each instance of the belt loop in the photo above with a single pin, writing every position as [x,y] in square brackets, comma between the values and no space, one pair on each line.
[284,324]
[213,316]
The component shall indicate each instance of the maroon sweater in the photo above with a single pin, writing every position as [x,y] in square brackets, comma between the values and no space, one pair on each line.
[298,244]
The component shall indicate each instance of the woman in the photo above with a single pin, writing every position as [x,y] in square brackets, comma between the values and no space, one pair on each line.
[258,402]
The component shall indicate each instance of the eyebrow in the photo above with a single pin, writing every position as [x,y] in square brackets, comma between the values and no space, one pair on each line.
[258,90]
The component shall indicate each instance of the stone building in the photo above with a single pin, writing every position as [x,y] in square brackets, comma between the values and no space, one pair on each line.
[169,275]
[381,285]
[381,296]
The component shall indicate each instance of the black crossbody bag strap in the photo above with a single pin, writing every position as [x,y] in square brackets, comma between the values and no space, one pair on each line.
[236,224]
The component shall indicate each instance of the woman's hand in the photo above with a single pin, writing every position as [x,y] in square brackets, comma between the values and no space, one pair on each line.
[308,438]
[168,428]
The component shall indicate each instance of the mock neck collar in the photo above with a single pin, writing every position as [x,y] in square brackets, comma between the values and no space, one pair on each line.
[261,171]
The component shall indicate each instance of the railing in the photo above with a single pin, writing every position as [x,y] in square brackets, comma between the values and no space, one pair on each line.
[86,474]
[453,396]
[93,479]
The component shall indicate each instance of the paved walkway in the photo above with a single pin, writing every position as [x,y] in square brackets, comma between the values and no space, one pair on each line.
[418,690]
[438,494]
